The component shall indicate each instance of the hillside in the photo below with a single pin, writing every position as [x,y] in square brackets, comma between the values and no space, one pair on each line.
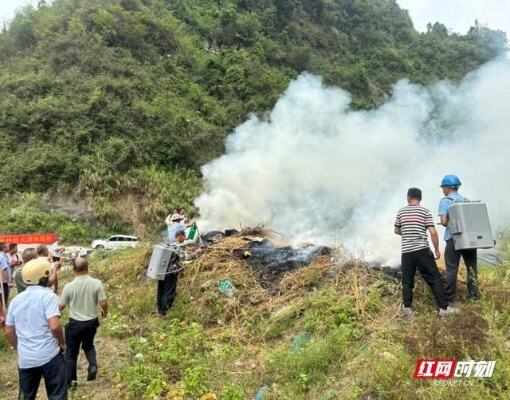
[328,330]
[126,99]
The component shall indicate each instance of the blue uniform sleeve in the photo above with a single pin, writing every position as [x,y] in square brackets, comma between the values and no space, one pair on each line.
[51,306]
[443,206]
[4,263]
[11,319]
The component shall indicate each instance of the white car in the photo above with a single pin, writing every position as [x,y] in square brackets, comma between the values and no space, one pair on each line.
[115,242]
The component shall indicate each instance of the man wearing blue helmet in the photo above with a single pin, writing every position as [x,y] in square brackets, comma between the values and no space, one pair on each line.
[450,185]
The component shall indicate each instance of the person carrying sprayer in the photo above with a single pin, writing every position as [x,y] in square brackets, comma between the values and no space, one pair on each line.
[450,186]
[412,223]
[167,287]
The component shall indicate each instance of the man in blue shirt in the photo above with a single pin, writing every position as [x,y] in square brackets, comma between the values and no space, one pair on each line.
[33,328]
[450,185]
[175,224]
[5,270]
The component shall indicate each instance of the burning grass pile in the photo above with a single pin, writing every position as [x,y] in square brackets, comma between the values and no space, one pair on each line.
[232,260]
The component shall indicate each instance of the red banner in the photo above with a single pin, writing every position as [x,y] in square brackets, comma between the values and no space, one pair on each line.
[30,238]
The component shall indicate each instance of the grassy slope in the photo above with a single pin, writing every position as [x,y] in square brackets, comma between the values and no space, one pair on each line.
[213,346]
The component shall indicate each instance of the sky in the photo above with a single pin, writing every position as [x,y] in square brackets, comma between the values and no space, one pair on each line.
[9,7]
[457,15]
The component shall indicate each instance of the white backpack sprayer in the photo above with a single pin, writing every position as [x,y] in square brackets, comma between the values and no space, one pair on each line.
[469,225]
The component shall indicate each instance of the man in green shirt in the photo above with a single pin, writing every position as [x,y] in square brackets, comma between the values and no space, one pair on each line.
[27,255]
[82,296]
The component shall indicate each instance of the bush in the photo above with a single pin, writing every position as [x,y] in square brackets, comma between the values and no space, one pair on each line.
[145,381]
[22,214]
[298,370]
[232,392]
[142,196]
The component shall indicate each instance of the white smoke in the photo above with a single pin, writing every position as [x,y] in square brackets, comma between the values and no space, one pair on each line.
[317,171]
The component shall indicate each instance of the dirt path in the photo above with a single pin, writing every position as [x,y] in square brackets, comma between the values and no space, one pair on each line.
[112,354]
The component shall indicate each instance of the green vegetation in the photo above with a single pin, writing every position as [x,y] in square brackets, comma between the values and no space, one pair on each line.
[120,98]
[22,213]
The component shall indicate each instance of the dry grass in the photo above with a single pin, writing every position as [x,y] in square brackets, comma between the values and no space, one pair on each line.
[295,284]
[225,260]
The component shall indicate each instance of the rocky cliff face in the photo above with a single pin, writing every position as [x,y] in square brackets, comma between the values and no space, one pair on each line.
[72,204]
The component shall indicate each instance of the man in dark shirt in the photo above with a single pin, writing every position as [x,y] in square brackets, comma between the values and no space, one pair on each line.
[27,255]
[412,223]
[167,288]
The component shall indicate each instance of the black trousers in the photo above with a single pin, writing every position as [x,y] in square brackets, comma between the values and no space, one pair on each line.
[80,334]
[6,293]
[452,260]
[424,261]
[167,290]
[55,380]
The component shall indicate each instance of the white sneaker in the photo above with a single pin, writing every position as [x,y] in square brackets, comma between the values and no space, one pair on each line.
[407,311]
[448,311]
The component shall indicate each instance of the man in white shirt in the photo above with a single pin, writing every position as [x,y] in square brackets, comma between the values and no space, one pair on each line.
[33,328]
[176,225]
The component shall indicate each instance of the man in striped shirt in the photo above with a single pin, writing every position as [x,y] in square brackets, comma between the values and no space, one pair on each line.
[412,223]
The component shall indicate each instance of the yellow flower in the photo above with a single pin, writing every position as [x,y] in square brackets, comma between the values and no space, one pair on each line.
[175,394]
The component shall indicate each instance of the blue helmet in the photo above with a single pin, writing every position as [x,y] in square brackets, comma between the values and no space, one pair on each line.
[451,181]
